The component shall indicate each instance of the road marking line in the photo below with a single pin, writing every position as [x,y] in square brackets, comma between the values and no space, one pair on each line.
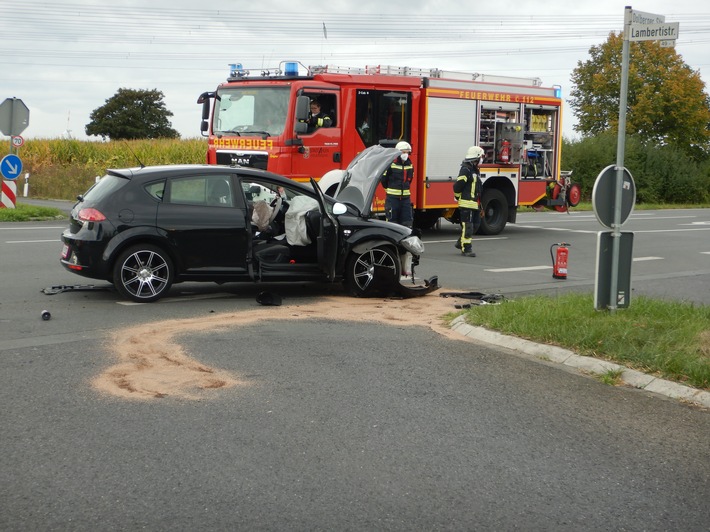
[672,230]
[522,269]
[668,217]
[572,218]
[584,231]
[641,259]
[28,241]
[475,239]
[31,228]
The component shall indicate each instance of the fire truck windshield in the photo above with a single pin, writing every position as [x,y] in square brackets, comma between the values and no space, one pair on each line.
[250,111]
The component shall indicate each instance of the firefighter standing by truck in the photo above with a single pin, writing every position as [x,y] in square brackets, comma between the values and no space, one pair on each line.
[467,191]
[396,181]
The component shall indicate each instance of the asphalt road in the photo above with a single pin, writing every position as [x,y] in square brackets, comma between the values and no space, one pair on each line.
[346,425]
[671,255]
[365,427]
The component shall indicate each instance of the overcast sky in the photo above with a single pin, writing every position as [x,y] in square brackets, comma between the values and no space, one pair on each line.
[65,58]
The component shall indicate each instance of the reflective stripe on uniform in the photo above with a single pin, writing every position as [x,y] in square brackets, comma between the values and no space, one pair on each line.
[397,192]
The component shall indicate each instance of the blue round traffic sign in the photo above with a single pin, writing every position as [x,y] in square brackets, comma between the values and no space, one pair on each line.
[11,166]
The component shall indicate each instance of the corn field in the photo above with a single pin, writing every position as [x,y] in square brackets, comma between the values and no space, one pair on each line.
[61,169]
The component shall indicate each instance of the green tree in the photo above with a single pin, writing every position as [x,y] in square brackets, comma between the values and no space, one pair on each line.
[667,103]
[132,114]
[662,175]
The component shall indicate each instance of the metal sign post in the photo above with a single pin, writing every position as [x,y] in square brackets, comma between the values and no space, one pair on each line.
[14,119]
[638,26]
[620,147]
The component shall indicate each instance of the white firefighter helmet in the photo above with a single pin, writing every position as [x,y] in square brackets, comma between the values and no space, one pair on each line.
[473,153]
[402,145]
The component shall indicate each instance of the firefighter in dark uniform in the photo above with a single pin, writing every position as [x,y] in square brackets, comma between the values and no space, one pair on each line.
[317,118]
[396,181]
[467,191]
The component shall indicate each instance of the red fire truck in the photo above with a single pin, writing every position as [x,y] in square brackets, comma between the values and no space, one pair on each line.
[259,119]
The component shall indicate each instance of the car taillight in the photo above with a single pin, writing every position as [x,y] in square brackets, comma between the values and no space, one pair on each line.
[90,215]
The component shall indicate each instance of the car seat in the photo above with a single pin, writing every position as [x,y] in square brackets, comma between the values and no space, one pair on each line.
[220,194]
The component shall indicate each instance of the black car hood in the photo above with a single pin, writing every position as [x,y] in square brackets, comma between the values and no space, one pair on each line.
[362,176]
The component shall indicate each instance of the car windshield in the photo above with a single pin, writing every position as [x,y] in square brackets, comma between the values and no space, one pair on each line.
[250,111]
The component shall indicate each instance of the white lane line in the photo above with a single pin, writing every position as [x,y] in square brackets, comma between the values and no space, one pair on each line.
[557,229]
[475,239]
[552,220]
[667,217]
[522,269]
[572,218]
[672,230]
[705,252]
[29,241]
[35,228]
[642,259]
[177,299]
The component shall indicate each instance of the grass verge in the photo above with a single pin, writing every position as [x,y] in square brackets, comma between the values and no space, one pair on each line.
[666,339]
[30,213]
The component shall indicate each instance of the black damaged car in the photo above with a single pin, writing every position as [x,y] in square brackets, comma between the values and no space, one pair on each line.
[144,229]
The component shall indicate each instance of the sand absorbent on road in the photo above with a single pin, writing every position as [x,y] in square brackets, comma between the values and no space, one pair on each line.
[152,363]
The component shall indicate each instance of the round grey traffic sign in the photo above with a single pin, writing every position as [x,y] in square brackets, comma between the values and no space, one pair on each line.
[604,194]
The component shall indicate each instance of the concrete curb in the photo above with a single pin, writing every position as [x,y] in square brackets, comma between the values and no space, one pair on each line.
[584,364]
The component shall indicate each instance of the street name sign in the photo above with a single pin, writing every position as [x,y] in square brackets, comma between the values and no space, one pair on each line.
[654,32]
[641,18]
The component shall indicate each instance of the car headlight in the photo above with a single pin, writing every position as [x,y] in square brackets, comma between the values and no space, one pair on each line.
[413,244]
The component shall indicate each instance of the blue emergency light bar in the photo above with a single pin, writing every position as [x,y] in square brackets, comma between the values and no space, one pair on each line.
[236,70]
[558,91]
[291,68]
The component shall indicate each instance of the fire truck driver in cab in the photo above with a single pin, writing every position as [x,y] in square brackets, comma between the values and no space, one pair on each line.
[317,118]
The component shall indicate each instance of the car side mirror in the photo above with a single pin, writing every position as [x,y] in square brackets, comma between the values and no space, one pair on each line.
[300,128]
[339,209]
[303,104]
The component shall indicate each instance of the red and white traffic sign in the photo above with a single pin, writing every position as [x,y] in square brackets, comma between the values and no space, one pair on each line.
[17,141]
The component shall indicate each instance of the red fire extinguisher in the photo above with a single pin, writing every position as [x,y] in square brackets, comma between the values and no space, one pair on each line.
[504,151]
[559,260]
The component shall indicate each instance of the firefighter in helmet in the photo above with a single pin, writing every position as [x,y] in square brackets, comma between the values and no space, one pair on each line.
[396,181]
[467,191]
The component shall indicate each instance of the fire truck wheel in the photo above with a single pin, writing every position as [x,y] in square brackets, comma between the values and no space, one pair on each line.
[495,209]
[574,195]
[427,219]
[372,272]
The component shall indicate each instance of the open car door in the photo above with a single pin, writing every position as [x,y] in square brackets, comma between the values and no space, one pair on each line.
[327,240]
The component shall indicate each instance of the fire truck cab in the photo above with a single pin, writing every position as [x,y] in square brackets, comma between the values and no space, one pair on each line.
[261,119]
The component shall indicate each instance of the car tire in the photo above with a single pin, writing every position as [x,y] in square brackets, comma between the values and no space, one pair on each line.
[372,272]
[143,273]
